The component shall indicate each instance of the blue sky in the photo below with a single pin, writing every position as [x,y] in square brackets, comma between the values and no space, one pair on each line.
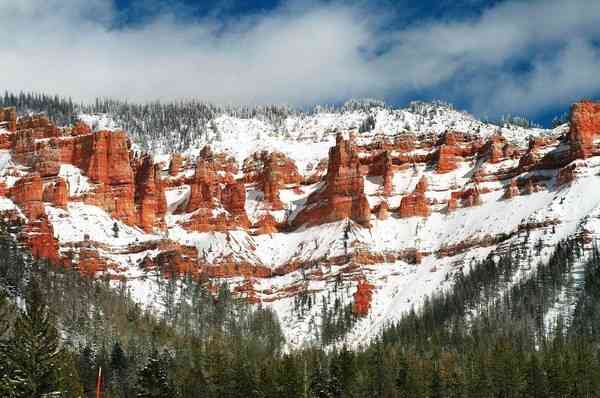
[490,57]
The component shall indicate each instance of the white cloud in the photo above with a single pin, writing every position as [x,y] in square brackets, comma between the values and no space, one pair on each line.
[303,53]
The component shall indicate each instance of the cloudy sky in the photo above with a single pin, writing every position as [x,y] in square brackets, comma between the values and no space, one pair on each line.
[489,57]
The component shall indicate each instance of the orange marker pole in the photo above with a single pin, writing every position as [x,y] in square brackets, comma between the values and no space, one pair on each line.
[99,383]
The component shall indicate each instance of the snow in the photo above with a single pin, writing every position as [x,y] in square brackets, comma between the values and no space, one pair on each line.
[78,183]
[99,122]
[80,220]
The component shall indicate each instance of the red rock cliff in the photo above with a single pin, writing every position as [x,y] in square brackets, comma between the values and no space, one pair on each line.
[585,128]
[343,195]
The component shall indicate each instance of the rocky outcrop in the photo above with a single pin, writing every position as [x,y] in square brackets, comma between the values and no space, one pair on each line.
[205,190]
[388,174]
[266,225]
[416,203]
[585,128]
[8,119]
[382,211]
[176,164]
[511,190]
[80,128]
[38,235]
[362,298]
[271,171]
[466,198]
[446,159]
[149,195]
[233,198]
[497,149]
[343,195]
[217,202]
[39,124]
[28,194]
[57,193]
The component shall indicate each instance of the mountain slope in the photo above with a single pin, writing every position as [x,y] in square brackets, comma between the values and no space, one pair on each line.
[367,210]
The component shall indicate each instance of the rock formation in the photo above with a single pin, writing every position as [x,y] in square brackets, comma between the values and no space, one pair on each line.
[343,195]
[8,119]
[585,127]
[512,190]
[362,298]
[415,204]
[149,195]
[57,193]
[28,193]
[176,164]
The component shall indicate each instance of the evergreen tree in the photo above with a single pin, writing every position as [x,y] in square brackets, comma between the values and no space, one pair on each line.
[34,356]
[153,380]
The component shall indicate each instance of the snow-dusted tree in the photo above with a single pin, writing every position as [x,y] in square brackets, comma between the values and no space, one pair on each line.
[34,357]
[153,380]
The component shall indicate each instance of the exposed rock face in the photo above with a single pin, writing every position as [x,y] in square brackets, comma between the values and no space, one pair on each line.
[497,149]
[40,124]
[134,191]
[537,157]
[216,205]
[415,204]
[388,173]
[343,195]
[233,198]
[176,165]
[149,195]
[38,234]
[109,162]
[104,158]
[266,225]
[585,127]
[277,171]
[382,211]
[467,198]
[28,193]
[512,190]
[80,128]
[57,193]
[8,119]
[362,298]
[205,190]
[446,161]
[271,172]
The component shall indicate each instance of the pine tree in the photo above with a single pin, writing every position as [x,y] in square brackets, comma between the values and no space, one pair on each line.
[34,355]
[118,365]
[153,380]
[7,387]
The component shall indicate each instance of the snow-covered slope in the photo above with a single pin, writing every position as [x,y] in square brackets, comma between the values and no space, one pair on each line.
[400,198]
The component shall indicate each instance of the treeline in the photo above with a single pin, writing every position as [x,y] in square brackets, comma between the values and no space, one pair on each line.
[166,126]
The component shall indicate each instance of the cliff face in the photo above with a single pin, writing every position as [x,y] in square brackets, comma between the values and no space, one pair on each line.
[365,211]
